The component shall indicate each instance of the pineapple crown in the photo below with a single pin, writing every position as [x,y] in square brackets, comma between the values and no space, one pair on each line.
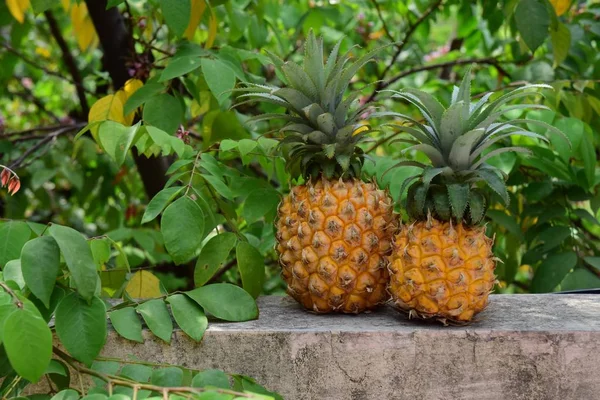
[455,140]
[321,134]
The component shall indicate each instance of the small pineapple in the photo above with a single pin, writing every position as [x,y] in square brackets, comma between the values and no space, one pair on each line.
[442,264]
[334,230]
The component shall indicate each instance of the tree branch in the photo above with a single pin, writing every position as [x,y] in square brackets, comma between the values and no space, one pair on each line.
[113,380]
[488,60]
[34,64]
[69,61]
[411,29]
[31,130]
[222,271]
[50,138]
[385,28]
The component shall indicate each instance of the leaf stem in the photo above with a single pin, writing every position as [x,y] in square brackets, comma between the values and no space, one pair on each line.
[113,380]
[194,166]
[12,294]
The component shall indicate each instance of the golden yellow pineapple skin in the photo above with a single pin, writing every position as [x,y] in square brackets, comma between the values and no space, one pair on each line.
[333,238]
[443,271]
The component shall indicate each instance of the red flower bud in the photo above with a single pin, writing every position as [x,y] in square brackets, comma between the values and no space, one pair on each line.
[14,186]
[4,177]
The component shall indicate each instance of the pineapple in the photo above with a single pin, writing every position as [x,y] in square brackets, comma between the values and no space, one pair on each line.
[442,264]
[333,230]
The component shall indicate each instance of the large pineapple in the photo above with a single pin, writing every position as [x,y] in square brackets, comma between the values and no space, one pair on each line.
[442,264]
[334,230]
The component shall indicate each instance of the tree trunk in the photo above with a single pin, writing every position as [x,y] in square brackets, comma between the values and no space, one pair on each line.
[118,48]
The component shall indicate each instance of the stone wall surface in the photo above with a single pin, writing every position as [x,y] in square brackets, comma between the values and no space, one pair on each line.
[522,347]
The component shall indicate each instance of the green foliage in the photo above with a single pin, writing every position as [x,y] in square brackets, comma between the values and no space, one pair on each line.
[133,195]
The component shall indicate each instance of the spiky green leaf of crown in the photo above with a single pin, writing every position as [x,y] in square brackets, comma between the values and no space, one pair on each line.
[320,136]
[455,139]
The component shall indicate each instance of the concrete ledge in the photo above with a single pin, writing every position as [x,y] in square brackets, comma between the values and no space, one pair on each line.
[523,347]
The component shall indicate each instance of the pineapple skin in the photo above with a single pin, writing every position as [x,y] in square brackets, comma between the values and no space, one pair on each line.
[441,271]
[333,238]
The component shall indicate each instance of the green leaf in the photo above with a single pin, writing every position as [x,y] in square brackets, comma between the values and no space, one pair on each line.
[495,183]
[113,3]
[553,237]
[13,236]
[164,112]
[506,221]
[159,202]
[580,278]
[177,165]
[249,385]
[106,368]
[219,78]
[5,311]
[36,228]
[78,257]
[59,373]
[81,326]
[117,139]
[594,262]
[28,344]
[245,146]
[12,272]
[167,377]
[182,226]
[138,373]
[260,203]
[39,6]
[157,318]
[586,216]
[141,96]
[180,66]
[219,186]
[211,377]
[533,20]
[127,324]
[552,271]
[561,42]
[225,301]
[459,197]
[252,268]
[100,248]
[588,155]
[188,315]
[67,394]
[165,141]
[177,14]
[212,256]
[40,264]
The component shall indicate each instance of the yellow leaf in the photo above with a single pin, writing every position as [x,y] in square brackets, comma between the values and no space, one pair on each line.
[560,6]
[198,7]
[85,33]
[143,285]
[376,35]
[109,107]
[212,29]
[42,52]
[122,95]
[17,9]
[132,85]
[360,129]
[66,4]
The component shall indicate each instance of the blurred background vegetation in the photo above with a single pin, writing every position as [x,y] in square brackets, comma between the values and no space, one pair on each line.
[64,64]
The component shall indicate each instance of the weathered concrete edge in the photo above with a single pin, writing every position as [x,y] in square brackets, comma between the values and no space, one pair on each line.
[524,347]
